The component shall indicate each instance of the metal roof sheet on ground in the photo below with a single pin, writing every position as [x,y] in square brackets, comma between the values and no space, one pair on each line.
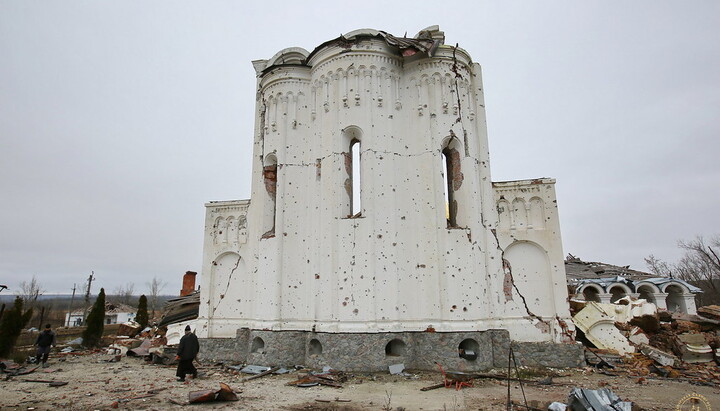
[181,309]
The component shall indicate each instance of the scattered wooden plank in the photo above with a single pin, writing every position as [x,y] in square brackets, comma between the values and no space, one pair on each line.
[433,387]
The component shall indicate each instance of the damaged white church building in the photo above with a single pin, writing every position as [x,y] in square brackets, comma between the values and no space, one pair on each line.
[374,234]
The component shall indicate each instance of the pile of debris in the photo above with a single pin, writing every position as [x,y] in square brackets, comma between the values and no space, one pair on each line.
[635,337]
[158,343]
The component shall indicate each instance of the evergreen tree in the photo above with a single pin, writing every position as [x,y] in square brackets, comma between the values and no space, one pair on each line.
[95,322]
[11,325]
[142,314]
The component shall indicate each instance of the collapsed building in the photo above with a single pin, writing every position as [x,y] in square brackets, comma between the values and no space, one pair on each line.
[607,283]
[374,234]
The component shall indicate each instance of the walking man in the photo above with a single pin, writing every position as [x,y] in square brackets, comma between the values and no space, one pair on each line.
[187,350]
[44,341]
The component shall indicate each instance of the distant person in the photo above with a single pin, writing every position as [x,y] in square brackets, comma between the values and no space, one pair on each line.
[187,350]
[45,340]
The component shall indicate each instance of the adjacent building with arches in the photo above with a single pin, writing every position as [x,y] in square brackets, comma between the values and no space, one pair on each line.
[374,233]
[606,283]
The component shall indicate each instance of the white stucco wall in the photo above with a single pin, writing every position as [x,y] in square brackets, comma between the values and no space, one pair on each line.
[397,266]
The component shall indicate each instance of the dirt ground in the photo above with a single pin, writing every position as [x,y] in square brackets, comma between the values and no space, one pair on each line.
[94,383]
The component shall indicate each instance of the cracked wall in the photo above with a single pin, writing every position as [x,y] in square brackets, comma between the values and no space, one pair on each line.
[398,265]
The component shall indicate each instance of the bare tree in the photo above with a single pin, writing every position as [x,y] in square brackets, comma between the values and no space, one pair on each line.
[699,265]
[155,286]
[30,291]
[124,294]
[658,266]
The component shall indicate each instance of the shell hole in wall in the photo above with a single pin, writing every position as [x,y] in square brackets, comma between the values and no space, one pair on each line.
[315,348]
[395,348]
[258,345]
[468,349]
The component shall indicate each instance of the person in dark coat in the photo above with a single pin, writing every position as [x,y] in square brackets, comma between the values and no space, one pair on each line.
[44,341]
[187,350]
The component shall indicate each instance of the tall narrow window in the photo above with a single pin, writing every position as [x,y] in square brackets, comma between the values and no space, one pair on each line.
[351,202]
[453,180]
[355,199]
[270,180]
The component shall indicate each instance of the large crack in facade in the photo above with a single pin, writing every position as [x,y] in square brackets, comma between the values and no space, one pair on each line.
[507,269]
[227,286]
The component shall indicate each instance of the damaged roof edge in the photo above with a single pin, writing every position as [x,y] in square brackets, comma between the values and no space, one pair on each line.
[541,180]
[427,40]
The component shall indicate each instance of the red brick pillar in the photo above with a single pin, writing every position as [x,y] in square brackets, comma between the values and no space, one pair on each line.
[188,283]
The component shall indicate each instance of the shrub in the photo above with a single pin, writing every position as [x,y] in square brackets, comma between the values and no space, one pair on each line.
[142,314]
[95,322]
[11,325]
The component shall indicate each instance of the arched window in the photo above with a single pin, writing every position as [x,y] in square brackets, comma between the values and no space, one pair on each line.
[453,180]
[356,197]
[674,300]
[270,180]
[591,294]
[352,137]
[617,293]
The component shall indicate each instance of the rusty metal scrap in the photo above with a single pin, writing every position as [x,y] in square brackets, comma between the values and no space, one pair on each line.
[225,393]
[330,379]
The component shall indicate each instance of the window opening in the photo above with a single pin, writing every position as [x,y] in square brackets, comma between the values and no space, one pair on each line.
[395,348]
[468,349]
[258,345]
[450,157]
[270,180]
[356,197]
[315,348]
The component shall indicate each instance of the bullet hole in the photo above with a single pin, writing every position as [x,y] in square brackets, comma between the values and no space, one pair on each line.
[317,276]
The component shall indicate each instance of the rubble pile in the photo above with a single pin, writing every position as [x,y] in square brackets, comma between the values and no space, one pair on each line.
[633,337]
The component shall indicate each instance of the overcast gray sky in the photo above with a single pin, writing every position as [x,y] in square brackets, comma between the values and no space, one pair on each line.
[119,120]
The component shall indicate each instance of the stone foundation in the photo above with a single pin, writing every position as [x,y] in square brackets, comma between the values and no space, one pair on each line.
[375,352]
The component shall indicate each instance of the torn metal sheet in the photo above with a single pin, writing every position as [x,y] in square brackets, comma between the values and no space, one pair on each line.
[396,368]
[254,369]
[582,399]
[201,396]
[225,393]
[142,350]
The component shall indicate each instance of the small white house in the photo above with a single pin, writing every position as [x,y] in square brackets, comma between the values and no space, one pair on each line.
[115,313]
